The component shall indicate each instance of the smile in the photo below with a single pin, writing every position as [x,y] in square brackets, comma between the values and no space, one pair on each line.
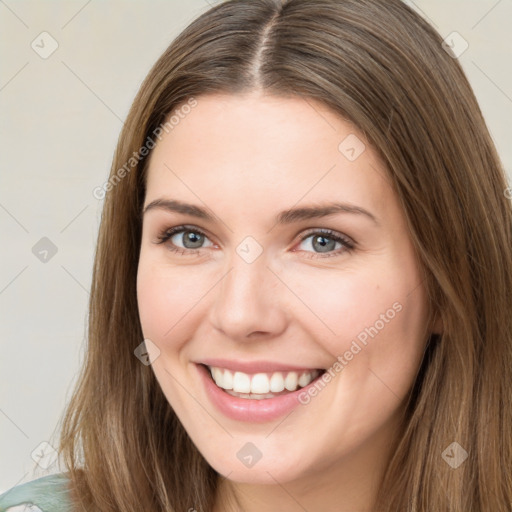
[263,404]
[260,386]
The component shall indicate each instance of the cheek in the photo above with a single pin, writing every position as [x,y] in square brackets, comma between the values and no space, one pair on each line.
[166,304]
[374,319]
[164,301]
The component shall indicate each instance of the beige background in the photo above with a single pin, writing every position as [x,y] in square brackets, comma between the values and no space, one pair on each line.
[60,119]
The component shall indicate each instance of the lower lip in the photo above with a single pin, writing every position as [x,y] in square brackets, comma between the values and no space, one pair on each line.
[251,410]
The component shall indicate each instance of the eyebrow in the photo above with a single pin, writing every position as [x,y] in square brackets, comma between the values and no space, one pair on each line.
[285,217]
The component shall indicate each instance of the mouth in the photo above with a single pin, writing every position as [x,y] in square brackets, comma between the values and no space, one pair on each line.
[262,385]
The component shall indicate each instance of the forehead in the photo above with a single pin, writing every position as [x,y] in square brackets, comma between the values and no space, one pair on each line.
[257,149]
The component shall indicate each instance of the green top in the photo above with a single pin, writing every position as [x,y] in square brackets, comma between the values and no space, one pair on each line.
[49,494]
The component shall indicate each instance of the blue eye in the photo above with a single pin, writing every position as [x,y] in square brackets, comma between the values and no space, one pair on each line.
[323,241]
[191,238]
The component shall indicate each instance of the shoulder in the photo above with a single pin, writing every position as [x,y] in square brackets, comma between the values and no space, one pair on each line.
[49,494]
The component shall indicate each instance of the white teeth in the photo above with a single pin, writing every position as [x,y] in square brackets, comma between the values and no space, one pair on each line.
[305,379]
[227,381]
[217,375]
[241,383]
[277,382]
[250,396]
[291,381]
[223,378]
[261,384]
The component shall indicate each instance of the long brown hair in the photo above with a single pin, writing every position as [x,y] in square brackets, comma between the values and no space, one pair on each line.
[381,66]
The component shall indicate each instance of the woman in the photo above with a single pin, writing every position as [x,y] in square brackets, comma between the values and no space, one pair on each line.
[301,295]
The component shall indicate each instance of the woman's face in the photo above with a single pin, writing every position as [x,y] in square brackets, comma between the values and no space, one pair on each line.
[261,280]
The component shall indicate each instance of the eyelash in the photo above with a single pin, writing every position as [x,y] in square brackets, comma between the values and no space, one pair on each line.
[348,244]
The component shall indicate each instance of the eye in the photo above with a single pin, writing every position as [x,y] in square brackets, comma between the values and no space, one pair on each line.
[325,241]
[190,237]
[189,240]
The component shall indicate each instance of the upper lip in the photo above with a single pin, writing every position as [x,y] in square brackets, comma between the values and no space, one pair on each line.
[254,366]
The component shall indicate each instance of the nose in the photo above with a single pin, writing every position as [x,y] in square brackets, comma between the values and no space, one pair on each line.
[248,302]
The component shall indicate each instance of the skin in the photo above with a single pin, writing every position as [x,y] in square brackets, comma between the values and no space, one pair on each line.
[247,158]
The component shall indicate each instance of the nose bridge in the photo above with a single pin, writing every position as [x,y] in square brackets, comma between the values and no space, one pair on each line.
[247,299]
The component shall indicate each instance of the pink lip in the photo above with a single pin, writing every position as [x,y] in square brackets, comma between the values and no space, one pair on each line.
[253,366]
[244,409]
